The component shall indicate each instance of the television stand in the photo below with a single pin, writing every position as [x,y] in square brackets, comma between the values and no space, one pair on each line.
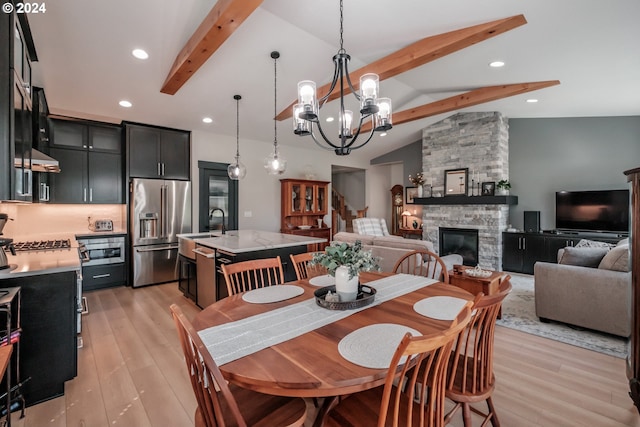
[520,251]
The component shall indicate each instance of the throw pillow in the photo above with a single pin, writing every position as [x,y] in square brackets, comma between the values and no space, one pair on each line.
[617,259]
[584,257]
[584,243]
[623,242]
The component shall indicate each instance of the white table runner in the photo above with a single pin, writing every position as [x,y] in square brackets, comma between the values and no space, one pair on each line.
[234,340]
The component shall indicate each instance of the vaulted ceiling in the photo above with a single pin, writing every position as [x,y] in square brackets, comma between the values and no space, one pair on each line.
[202,52]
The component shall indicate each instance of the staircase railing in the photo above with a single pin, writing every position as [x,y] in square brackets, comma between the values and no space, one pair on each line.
[338,203]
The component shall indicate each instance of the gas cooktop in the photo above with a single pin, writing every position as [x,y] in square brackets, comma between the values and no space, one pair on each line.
[42,245]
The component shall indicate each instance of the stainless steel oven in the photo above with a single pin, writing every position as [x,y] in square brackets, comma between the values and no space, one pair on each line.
[102,250]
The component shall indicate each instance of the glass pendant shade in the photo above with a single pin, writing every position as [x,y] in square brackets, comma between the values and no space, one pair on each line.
[382,119]
[307,98]
[237,170]
[275,164]
[345,123]
[300,126]
[369,89]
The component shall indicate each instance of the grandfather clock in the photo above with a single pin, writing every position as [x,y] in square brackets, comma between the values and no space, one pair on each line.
[397,202]
[633,358]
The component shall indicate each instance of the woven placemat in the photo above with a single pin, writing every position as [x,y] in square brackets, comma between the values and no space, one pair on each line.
[271,294]
[440,307]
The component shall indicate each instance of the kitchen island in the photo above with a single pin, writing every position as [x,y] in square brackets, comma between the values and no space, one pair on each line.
[217,249]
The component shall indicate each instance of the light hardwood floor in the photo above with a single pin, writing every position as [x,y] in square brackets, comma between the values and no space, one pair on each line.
[131,373]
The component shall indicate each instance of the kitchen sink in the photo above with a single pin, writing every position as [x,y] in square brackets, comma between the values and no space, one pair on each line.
[187,242]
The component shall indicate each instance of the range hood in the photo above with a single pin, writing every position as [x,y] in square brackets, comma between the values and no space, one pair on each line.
[40,162]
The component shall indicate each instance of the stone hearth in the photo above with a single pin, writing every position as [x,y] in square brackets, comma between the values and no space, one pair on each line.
[479,142]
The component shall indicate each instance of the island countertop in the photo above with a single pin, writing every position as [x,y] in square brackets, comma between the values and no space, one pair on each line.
[239,241]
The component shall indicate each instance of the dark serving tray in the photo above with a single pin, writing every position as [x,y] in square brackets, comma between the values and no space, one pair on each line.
[366,295]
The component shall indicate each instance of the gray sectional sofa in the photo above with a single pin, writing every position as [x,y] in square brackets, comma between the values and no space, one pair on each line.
[589,287]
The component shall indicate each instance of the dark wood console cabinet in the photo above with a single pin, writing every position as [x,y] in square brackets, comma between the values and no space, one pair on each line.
[520,251]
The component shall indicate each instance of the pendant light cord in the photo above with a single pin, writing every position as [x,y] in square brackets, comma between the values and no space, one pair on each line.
[275,56]
[237,98]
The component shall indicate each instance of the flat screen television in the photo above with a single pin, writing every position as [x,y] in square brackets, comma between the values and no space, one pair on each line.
[596,211]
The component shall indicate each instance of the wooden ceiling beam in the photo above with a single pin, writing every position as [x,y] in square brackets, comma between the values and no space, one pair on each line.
[467,99]
[421,52]
[219,24]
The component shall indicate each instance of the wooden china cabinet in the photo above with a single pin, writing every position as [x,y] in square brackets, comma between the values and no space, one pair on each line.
[303,203]
[633,357]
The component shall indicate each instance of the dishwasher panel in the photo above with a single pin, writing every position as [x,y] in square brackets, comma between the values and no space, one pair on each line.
[205,276]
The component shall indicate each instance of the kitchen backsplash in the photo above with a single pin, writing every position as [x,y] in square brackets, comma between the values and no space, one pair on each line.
[34,219]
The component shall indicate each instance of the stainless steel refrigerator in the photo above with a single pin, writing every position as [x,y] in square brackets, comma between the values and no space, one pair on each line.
[159,210]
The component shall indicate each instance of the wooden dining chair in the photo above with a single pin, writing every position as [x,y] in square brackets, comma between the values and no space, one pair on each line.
[419,402]
[303,268]
[222,404]
[470,377]
[257,273]
[423,263]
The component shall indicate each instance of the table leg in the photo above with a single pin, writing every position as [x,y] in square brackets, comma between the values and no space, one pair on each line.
[327,404]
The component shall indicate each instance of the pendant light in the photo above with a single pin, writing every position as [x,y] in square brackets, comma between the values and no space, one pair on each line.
[306,112]
[237,170]
[275,164]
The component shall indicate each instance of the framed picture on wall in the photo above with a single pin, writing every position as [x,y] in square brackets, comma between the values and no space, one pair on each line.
[488,188]
[455,182]
[410,194]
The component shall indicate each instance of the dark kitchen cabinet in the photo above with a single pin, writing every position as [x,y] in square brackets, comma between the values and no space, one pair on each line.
[520,251]
[48,340]
[154,152]
[91,166]
[16,53]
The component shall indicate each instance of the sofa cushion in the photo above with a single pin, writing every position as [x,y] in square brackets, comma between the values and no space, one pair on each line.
[585,243]
[344,236]
[623,242]
[616,259]
[584,256]
[401,243]
[370,226]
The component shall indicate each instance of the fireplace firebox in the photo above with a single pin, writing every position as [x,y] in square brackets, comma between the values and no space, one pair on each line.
[461,241]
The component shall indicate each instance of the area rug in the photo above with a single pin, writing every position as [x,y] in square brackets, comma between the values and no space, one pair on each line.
[518,312]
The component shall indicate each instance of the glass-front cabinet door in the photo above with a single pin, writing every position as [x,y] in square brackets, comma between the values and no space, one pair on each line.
[217,193]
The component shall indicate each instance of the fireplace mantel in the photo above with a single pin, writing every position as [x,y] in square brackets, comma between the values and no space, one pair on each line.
[467,200]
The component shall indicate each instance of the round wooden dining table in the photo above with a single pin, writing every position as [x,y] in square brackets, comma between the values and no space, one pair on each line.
[310,364]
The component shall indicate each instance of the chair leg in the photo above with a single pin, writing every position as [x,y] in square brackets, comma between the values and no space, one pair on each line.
[492,412]
[466,414]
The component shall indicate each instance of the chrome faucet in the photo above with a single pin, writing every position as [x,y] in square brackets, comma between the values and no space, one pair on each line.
[211,215]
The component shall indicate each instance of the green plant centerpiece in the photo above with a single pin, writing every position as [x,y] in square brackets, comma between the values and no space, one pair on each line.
[345,261]
[351,256]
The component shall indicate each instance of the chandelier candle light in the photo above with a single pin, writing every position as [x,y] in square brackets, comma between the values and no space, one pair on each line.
[275,164]
[237,170]
[306,111]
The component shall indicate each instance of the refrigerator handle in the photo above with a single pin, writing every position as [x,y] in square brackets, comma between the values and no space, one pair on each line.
[162,218]
[165,212]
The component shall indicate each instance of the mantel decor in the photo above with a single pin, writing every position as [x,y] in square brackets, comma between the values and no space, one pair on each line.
[467,200]
[488,188]
[455,182]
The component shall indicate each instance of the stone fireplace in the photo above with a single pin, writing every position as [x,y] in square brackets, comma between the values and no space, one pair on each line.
[479,142]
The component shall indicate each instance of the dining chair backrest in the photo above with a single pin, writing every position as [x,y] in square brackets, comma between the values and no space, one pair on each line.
[421,401]
[204,375]
[470,377]
[303,267]
[247,275]
[422,263]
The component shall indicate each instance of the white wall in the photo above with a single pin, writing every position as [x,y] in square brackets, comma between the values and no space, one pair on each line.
[259,193]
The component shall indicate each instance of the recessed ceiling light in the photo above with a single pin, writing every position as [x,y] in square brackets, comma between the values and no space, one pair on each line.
[207,120]
[383,134]
[140,54]
[532,100]
[125,103]
[329,119]
[496,64]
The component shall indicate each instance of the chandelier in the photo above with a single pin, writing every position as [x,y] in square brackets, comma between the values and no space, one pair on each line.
[275,164]
[237,170]
[306,111]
